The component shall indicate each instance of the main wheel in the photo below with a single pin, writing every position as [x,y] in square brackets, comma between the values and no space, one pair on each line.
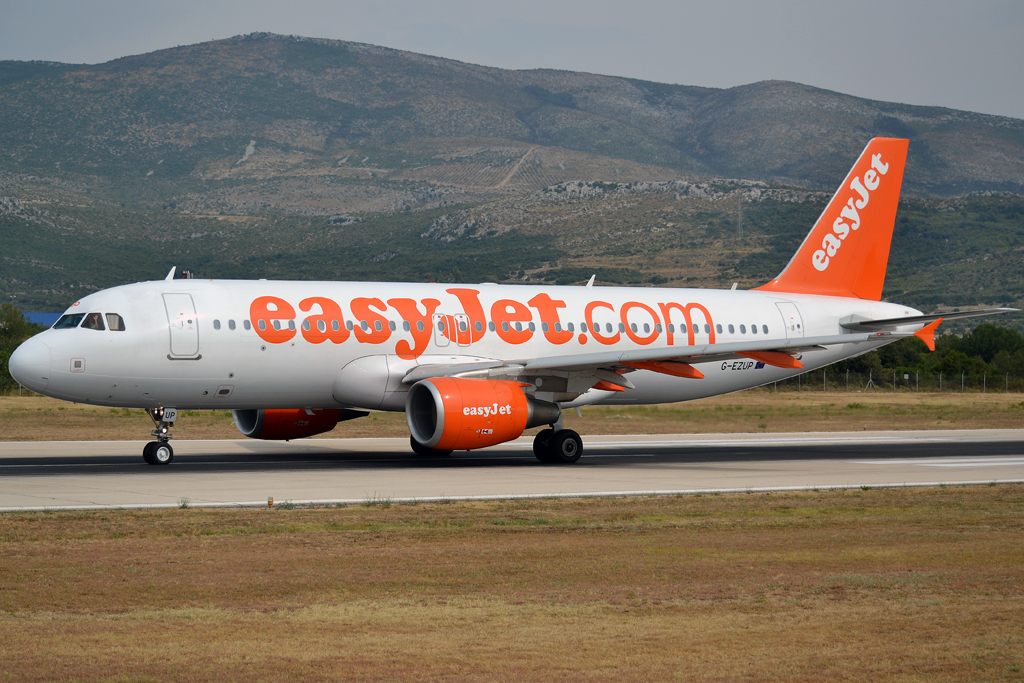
[541,444]
[156,453]
[565,446]
[425,451]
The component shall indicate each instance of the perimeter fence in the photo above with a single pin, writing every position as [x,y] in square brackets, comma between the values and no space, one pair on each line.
[901,381]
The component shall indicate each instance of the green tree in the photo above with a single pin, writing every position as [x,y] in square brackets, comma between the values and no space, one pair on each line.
[14,329]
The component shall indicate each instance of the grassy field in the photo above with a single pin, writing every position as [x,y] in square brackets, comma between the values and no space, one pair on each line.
[863,585]
[37,418]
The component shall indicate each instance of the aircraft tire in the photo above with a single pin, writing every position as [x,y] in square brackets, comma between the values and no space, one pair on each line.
[565,446]
[426,452]
[541,445]
[162,453]
[147,453]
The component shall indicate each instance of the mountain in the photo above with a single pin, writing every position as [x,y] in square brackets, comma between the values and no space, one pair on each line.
[278,156]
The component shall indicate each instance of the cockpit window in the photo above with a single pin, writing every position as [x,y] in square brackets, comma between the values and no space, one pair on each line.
[68,321]
[93,321]
[115,323]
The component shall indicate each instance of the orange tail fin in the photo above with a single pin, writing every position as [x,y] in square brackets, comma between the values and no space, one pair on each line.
[847,250]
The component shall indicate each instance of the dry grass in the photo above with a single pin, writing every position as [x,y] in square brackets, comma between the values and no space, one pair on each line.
[38,418]
[922,584]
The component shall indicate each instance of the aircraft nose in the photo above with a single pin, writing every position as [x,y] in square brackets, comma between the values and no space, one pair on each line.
[30,364]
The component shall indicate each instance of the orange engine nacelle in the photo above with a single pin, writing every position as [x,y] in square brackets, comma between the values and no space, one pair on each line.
[450,413]
[277,424]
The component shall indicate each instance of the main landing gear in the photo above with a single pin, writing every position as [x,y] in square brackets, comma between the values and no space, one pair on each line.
[159,452]
[561,446]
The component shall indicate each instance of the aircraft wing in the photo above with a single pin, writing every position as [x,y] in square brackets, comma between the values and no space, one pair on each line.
[609,366]
[859,324]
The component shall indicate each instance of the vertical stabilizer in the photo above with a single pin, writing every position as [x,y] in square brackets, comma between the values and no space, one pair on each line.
[847,250]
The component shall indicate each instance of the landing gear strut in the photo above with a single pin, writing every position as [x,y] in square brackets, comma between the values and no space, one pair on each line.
[159,452]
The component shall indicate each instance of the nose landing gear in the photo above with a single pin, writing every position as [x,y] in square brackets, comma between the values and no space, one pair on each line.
[159,452]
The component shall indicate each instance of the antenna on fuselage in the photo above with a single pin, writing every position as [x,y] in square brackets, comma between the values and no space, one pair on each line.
[170,275]
[590,282]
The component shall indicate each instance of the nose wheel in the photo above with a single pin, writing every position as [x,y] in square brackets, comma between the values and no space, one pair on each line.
[159,452]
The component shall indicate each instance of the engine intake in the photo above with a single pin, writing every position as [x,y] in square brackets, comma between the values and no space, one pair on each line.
[452,413]
[283,424]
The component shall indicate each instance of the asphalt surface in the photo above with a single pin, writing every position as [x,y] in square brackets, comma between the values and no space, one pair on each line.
[91,474]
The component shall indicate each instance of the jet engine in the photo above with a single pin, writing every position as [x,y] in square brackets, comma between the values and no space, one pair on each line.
[277,424]
[451,413]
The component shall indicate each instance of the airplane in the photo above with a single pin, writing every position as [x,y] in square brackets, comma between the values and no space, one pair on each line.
[475,365]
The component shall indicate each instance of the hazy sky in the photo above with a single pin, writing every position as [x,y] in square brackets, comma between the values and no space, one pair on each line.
[967,55]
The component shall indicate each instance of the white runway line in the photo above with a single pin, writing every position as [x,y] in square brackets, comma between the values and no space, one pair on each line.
[995,461]
[513,496]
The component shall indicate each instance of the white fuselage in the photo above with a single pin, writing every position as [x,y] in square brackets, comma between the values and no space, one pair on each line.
[215,356]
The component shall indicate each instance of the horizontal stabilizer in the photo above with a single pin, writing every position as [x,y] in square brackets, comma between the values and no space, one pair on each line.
[868,325]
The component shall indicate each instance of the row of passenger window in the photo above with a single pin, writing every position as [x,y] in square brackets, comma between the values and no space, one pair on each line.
[378,326]
[90,321]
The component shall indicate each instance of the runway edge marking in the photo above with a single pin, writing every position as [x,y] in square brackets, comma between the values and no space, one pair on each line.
[514,496]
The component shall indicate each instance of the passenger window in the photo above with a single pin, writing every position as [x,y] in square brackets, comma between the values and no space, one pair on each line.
[718,327]
[519,327]
[365,325]
[321,326]
[246,324]
[732,330]
[753,329]
[479,326]
[305,325]
[291,325]
[533,328]
[93,321]
[707,328]
[115,323]
[632,326]
[216,324]
[743,329]
[335,326]
[544,327]
[622,328]
[658,328]
[696,329]
[583,327]
[405,325]
[231,324]
[608,327]
[671,328]
[67,322]
[764,328]
[349,325]
[419,325]
[571,328]
[462,326]
[490,326]
[263,324]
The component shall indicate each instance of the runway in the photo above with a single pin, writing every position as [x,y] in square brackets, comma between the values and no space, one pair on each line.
[103,474]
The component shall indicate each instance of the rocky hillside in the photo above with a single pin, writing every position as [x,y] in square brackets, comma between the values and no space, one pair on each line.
[265,122]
